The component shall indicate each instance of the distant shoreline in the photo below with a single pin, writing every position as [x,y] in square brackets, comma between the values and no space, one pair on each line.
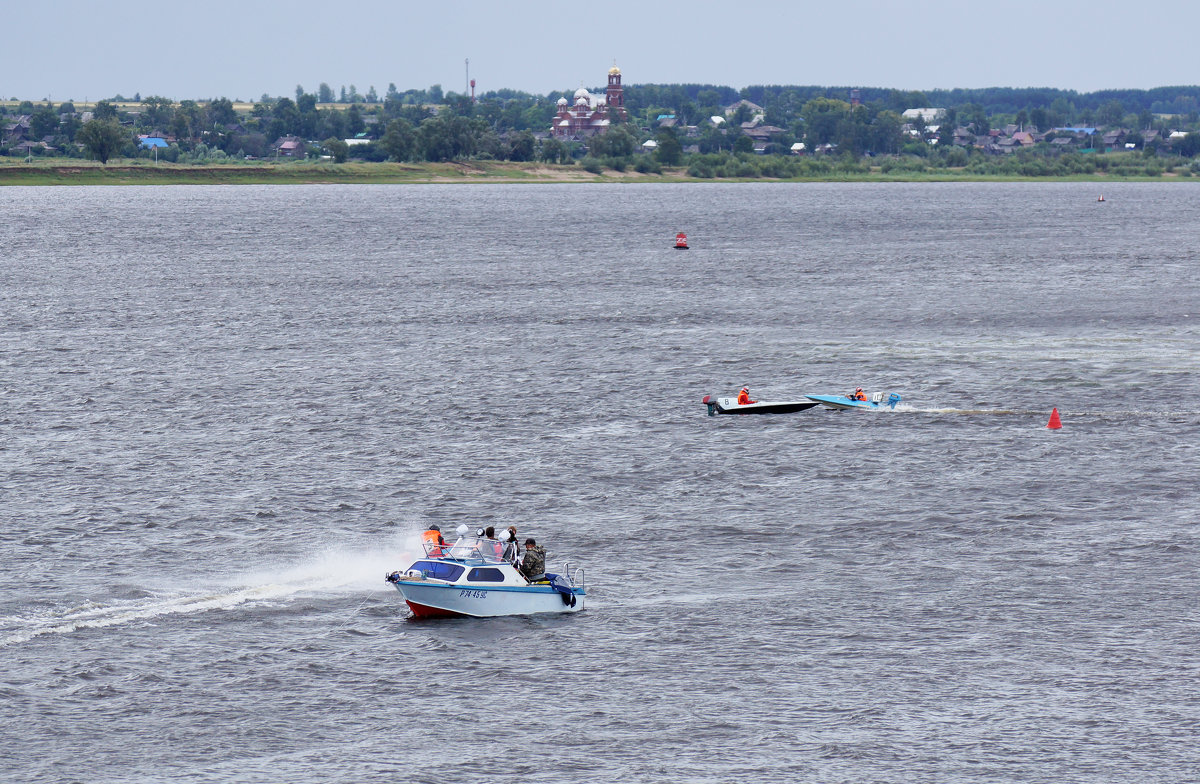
[140,172]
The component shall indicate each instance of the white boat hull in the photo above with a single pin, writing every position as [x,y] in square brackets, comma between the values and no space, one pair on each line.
[432,599]
[729,405]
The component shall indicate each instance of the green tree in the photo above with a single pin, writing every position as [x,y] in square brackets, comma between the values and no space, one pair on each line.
[43,122]
[742,114]
[1040,119]
[157,112]
[354,121]
[310,116]
[221,112]
[1061,112]
[338,149]
[823,116]
[102,138]
[669,151]
[554,151]
[285,118]
[399,140]
[616,142]
[104,111]
[333,123]
[1189,146]
[947,126]
[324,93]
[436,139]
[886,134]
[521,146]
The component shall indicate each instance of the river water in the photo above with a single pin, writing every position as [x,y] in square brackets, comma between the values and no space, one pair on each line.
[227,412]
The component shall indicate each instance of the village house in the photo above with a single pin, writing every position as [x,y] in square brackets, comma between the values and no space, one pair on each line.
[289,147]
[1114,139]
[17,131]
[756,112]
[761,133]
[927,115]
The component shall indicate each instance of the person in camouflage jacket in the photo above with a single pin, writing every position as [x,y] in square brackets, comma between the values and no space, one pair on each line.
[533,565]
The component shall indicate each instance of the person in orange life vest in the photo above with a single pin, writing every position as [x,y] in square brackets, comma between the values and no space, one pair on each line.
[859,394]
[744,397]
[433,537]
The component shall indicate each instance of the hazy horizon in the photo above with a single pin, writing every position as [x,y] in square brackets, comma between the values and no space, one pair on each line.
[246,49]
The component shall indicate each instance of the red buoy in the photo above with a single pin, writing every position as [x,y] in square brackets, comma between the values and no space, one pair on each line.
[681,241]
[1055,423]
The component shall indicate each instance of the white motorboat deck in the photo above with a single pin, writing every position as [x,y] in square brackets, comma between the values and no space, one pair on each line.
[469,578]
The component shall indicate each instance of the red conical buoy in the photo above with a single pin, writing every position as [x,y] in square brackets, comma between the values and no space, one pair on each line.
[1055,423]
[681,241]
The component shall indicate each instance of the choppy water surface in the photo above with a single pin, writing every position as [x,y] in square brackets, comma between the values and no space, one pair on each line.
[226,412]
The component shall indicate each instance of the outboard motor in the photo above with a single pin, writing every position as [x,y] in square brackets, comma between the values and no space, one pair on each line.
[712,405]
[893,399]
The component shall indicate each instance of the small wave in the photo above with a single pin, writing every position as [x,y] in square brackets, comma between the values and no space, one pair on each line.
[966,411]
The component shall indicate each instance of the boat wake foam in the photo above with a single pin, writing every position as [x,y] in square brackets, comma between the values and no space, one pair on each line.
[346,572]
[1040,412]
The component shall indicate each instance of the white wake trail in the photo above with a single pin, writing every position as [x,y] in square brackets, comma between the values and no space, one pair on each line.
[331,572]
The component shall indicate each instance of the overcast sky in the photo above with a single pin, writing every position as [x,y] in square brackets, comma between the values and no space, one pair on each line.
[85,50]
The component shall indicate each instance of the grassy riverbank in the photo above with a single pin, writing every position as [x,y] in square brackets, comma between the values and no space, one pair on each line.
[140,172]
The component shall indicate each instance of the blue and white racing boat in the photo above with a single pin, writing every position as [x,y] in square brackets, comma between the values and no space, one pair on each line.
[469,579]
[842,402]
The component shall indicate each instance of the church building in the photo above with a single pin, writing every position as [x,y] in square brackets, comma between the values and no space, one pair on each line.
[590,115]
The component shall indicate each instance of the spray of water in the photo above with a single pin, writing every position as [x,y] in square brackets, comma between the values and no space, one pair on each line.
[327,572]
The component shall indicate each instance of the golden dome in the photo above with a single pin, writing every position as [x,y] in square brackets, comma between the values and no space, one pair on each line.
[615,71]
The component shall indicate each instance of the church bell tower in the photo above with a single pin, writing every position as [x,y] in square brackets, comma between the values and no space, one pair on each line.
[614,96]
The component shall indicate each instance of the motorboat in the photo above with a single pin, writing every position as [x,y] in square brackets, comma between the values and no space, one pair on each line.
[470,579]
[729,405]
[843,402]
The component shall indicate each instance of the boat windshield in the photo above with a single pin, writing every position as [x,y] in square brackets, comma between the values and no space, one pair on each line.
[439,570]
[468,549]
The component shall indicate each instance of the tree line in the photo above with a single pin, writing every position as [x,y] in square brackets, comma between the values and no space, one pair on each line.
[433,125]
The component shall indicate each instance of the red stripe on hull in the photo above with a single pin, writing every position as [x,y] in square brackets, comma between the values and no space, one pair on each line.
[425,611]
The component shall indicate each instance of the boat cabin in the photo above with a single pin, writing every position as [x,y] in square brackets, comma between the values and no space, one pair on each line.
[465,561]
[452,572]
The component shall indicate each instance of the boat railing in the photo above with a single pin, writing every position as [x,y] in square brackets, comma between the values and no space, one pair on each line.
[480,550]
[576,578]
